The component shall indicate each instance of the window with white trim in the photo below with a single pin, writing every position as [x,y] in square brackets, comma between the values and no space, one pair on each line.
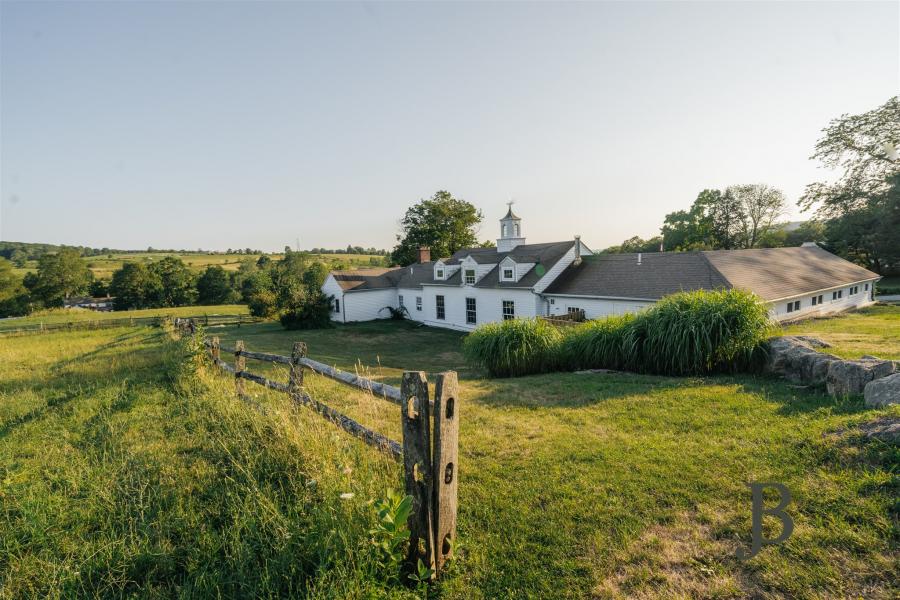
[470,276]
[439,307]
[816,300]
[471,317]
[509,310]
[439,274]
[837,295]
[508,275]
[419,303]
[867,287]
[337,305]
[793,306]
[854,290]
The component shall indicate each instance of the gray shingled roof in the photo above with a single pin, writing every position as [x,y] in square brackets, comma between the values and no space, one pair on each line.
[414,276]
[620,275]
[545,255]
[365,279]
[774,273]
[771,273]
[523,253]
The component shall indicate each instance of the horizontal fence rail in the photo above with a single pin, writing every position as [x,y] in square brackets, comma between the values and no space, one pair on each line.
[388,392]
[155,321]
[429,456]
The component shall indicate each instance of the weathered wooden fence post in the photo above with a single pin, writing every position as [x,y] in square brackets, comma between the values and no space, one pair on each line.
[417,467]
[445,471]
[214,349]
[240,363]
[295,379]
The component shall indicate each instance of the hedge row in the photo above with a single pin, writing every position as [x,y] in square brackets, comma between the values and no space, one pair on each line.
[690,333]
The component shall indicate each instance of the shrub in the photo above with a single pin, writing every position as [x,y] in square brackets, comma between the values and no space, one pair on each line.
[310,312]
[514,347]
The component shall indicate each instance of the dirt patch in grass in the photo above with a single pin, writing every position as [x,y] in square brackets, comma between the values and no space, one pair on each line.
[680,559]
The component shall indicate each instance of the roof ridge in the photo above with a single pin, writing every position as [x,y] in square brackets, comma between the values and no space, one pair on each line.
[713,269]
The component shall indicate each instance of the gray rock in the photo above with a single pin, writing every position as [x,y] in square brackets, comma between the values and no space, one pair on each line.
[795,358]
[813,342]
[847,377]
[883,391]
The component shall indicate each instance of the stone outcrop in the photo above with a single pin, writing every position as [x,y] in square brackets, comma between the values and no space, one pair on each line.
[797,359]
[847,377]
[883,392]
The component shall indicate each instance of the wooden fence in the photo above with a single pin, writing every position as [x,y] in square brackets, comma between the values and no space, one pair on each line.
[206,320]
[573,317]
[430,445]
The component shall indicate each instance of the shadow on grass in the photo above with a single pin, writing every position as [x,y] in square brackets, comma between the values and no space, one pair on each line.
[116,343]
[570,390]
[796,399]
[38,412]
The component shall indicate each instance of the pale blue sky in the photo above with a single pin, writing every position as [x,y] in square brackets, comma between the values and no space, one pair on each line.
[237,124]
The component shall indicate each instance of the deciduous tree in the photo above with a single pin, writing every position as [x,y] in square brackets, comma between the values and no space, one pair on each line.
[443,223]
[176,283]
[60,276]
[134,286]
[214,287]
[760,208]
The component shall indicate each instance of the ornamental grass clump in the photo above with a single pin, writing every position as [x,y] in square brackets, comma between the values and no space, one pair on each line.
[692,333]
[689,333]
[597,344]
[515,347]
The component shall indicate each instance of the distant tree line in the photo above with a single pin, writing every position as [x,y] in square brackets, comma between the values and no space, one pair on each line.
[857,216]
[289,289]
[351,250]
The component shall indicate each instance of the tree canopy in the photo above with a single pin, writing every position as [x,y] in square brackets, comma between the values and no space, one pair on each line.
[59,276]
[443,223]
[860,208]
[863,149]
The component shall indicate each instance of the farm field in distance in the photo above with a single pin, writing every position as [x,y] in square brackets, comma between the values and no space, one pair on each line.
[104,265]
[60,315]
[571,485]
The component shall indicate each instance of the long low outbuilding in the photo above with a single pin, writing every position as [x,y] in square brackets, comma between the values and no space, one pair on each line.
[519,280]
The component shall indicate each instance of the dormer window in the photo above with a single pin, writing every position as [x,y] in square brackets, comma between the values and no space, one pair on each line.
[470,277]
[439,274]
[508,275]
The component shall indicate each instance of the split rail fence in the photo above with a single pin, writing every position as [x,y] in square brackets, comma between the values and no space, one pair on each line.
[11,329]
[429,449]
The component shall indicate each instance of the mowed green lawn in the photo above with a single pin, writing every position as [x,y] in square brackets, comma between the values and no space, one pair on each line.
[617,485]
[874,331]
[118,478]
[72,315]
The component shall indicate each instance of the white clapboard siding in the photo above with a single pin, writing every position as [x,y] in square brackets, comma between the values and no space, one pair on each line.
[779,311]
[369,305]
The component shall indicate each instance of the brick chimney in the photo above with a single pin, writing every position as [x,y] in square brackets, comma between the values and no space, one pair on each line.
[424,254]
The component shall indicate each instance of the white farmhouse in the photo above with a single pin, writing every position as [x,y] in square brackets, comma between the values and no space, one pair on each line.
[515,280]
